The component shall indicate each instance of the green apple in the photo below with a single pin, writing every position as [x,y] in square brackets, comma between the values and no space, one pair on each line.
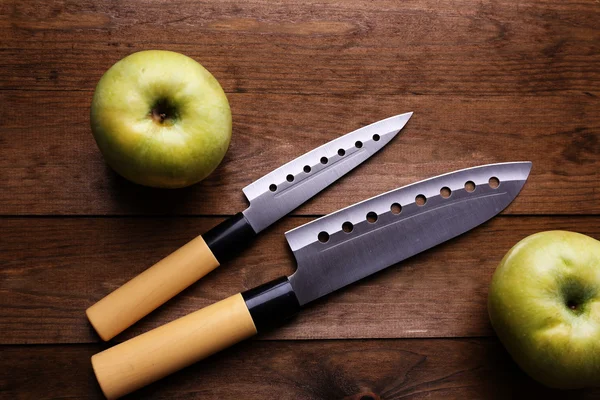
[544,304]
[161,119]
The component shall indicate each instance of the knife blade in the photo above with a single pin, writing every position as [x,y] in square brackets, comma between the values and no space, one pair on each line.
[270,198]
[356,246]
[279,192]
[332,252]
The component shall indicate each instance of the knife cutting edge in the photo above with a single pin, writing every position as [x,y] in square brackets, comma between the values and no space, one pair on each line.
[331,252]
[270,197]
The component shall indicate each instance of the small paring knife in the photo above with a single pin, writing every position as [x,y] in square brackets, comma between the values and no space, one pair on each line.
[271,197]
[331,252]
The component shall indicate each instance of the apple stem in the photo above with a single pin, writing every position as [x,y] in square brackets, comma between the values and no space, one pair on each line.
[572,305]
[158,115]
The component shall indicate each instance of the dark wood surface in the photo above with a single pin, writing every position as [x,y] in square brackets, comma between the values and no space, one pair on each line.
[559,134]
[439,293]
[476,368]
[489,81]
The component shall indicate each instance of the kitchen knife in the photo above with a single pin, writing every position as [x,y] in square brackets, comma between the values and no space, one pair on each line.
[271,197]
[331,252]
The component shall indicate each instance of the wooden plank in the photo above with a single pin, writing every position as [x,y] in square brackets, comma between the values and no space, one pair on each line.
[489,81]
[50,164]
[381,47]
[305,370]
[54,268]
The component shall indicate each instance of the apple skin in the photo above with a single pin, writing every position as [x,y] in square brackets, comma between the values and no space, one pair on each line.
[529,304]
[137,143]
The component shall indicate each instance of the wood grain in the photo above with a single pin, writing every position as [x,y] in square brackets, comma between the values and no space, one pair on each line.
[54,268]
[50,164]
[316,47]
[298,370]
[158,353]
[489,81]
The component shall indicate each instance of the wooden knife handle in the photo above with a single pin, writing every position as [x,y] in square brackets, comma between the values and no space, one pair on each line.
[155,354]
[165,279]
[153,287]
[164,350]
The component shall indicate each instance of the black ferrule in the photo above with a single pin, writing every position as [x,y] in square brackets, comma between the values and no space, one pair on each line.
[229,237]
[272,303]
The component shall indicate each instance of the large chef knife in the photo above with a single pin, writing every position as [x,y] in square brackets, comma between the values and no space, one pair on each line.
[331,252]
[271,197]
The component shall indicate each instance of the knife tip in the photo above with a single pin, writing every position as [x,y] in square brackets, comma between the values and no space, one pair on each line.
[525,168]
[529,166]
[402,119]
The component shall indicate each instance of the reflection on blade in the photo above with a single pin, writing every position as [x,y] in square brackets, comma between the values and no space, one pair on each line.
[279,192]
[350,244]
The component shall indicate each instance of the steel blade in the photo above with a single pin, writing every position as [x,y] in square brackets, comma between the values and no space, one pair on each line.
[343,257]
[279,192]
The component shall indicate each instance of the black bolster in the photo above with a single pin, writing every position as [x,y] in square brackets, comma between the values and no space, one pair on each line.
[271,304]
[229,237]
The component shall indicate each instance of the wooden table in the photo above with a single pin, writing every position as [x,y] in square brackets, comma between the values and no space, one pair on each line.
[488,81]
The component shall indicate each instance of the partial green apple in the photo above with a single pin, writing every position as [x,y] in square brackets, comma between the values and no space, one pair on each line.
[161,119]
[544,304]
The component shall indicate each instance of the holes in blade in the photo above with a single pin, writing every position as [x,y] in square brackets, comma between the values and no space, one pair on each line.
[347,227]
[445,192]
[323,237]
[396,208]
[324,160]
[372,217]
[494,182]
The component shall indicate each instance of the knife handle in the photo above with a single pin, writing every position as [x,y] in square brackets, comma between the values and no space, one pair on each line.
[155,354]
[165,279]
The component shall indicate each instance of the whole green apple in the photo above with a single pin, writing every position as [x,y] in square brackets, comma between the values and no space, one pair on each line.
[544,304]
[161,119]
